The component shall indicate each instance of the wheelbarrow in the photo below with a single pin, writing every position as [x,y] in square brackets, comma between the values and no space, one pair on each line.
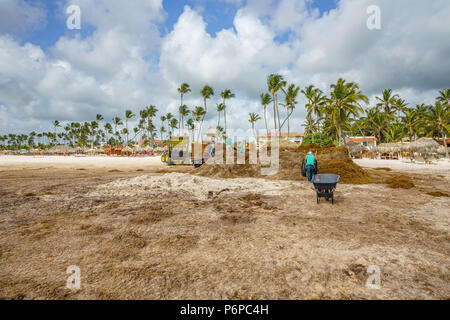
[325,184]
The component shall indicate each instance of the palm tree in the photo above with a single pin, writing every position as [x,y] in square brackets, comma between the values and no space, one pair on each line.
[437,121]
[310,126]
[220,107]
[410,123]
[290,95]
[191,126]
[345,100]
[117,122]
[315,105]
[108,129]
[376,124]
[444,97]
[161,131]
[266,99]
[151,112]
[226,94]
[169,117]
[173,124]
[400,105]
[253,118]
[197,114]
[220,132]
[387,101]
[128,115]
[207,92]
[142,122]
[163,119]
[56,124]
[396,131]
[182,90]
[184,112]
[274,83]
[93,125]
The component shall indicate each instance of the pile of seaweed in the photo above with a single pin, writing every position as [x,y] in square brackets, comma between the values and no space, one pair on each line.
[331,159]
[399,182]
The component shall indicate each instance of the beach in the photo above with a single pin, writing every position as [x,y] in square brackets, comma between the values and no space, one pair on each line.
[139,229]
[99,162]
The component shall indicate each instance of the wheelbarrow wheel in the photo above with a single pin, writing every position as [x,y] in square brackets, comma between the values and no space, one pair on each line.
[318,199]
[332,199]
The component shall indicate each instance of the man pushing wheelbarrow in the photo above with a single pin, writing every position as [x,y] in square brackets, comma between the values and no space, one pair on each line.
[324,184]
[309,166]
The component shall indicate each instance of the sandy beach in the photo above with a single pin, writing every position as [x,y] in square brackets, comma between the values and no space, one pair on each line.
[136,231]
[15,162]
[441,166]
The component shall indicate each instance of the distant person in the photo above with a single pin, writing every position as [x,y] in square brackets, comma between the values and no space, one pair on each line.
[241,148]
[310,165]
[228,142]
[212,149]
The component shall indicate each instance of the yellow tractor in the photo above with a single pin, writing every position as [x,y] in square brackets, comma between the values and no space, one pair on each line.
[177,151]
[180,151]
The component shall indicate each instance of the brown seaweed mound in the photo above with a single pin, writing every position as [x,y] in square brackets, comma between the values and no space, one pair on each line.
[333,160]
[399,182]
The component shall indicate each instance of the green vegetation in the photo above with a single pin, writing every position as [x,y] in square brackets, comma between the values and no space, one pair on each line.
[329,119]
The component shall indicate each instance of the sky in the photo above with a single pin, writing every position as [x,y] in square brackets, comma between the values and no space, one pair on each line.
[132,54]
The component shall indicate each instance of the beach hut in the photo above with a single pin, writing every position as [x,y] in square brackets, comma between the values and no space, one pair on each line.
[388,150]
[356,149]
[127,151]
[423,145]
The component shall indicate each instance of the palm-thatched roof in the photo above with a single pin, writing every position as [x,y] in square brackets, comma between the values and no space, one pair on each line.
[59,149]
[423,145]
[388,148]
[441,150]
[356,147]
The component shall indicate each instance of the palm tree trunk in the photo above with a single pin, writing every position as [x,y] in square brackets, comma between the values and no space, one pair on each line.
[265,120]
[151,132]
[254,134]
[386,110]
[274,113]
[444,136]
[179,114]
[339,132]
[278,116]
[126,121]
[203,118]
[289,127]
[225,116]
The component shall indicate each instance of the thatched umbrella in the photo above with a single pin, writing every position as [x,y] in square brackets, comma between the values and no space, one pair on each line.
[356,147]
[441,150]
[127,149]
[423,145]
[388,148]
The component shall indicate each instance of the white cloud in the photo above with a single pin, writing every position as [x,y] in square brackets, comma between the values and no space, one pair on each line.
[16,16]
[239,59]
[125,63]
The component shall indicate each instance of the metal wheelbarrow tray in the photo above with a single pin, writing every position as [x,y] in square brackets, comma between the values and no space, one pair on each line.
[325,184]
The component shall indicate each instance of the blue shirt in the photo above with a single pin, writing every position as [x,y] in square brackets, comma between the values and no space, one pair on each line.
[310,159]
